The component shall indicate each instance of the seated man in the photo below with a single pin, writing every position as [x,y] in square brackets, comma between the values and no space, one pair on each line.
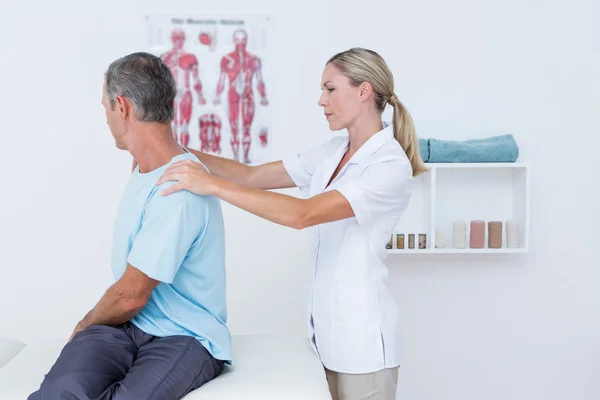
[160,330]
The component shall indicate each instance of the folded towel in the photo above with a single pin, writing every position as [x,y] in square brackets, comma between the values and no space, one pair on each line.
[424,149]
[493,149]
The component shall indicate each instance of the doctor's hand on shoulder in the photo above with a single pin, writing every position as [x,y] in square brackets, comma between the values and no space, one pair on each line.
[190,175]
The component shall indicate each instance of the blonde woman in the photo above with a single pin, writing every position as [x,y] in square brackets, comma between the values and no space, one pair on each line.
[355,189]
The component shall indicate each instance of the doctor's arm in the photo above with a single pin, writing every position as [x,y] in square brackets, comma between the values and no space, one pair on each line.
[283,209]
[121,301]
[266,176]
[275,207]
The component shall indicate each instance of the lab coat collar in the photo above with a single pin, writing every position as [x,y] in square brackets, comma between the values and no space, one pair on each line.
[374,143]
[331,163]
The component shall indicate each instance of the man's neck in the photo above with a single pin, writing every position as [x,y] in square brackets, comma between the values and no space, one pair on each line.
[154,146]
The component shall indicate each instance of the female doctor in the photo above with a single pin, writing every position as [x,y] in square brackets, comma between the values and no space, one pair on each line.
[355,189]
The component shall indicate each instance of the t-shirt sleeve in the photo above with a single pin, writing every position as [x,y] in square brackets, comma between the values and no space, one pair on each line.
[382,189]
[170,225]
[301,166]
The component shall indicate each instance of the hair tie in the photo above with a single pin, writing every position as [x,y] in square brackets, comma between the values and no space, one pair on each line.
[393,100]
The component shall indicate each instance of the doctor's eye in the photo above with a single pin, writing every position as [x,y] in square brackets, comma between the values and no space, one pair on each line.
[330,90]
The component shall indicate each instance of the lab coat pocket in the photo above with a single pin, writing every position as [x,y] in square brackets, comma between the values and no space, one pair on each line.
[358,330]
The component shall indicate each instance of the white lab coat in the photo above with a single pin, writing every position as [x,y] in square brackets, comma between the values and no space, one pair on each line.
[354,323]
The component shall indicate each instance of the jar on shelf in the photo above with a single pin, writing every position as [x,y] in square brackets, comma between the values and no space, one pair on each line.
[422,241]
[389,244]
[400,241]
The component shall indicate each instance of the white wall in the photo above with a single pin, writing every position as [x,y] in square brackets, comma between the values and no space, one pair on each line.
[477,327]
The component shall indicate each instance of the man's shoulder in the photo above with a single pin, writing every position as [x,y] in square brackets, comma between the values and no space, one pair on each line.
[178,201]
[180,198]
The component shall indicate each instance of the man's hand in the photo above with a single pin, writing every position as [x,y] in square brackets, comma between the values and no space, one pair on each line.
[121,302]
[78,329]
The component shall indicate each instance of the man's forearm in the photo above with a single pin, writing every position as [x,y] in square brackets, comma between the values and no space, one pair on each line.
[115,307]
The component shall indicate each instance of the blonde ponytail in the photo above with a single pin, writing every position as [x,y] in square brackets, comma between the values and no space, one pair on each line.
[363,65]
[404,132]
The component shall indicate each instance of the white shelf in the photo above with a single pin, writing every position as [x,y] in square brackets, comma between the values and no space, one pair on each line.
[476,165]
[470,191]
[451,250]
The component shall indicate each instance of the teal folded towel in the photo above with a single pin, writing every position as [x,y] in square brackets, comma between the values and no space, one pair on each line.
[493,149]
[424,149]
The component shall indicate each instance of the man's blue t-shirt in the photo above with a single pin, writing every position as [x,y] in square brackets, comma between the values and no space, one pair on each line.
[179,240]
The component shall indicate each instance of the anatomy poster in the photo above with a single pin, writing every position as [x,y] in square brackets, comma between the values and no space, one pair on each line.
[221,66]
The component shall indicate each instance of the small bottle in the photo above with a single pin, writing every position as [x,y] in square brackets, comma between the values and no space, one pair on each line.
[411,240]
[389,244]
[422,241]
[512,235]
[440,240]
[460,234]
[495,234]
[400,241]
[477,234]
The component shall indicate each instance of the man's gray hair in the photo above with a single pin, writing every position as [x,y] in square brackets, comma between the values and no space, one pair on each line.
[147,82]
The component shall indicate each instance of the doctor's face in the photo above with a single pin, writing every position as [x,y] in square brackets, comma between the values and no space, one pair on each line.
[340,100]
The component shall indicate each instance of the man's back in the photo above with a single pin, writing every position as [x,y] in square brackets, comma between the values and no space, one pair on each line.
[179,240]
[159,331]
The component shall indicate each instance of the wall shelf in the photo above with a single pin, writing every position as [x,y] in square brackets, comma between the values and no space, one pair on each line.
[472,191]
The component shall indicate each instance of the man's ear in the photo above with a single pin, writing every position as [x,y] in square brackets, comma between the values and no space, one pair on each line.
[123,106]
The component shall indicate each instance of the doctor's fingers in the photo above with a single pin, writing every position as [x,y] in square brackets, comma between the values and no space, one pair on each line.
[174,175]
[177,170]
[183,165]
[173,188]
